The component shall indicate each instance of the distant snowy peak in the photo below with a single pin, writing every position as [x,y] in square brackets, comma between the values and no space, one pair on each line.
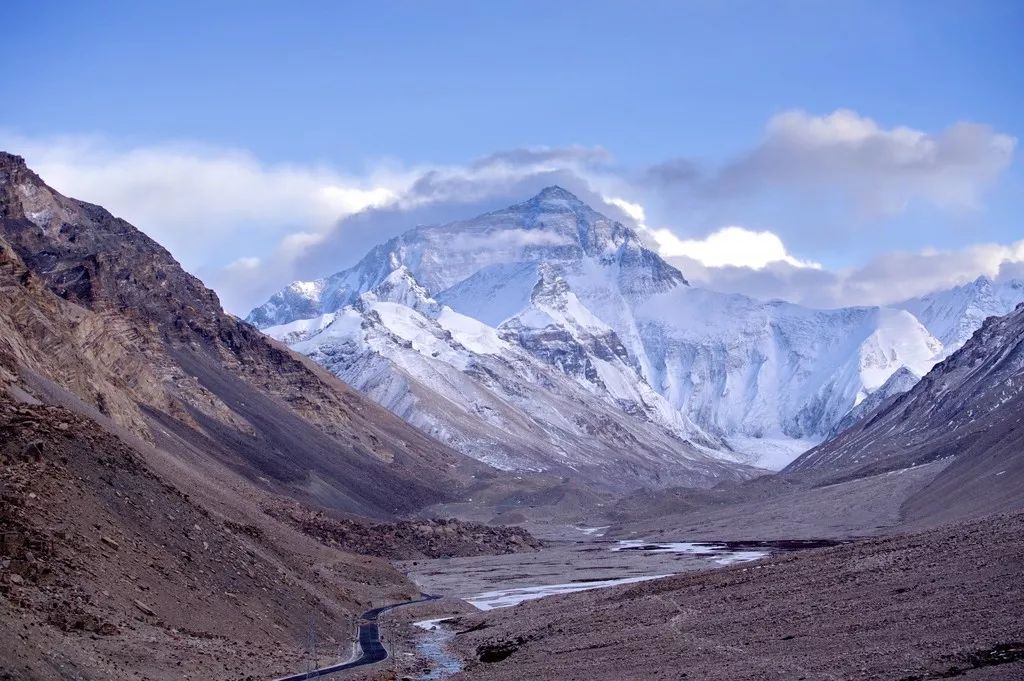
[401,287]
[954,315]
[899,341]
[553,227]
[299,300]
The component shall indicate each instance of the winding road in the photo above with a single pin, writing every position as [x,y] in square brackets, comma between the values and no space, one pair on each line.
[373,650]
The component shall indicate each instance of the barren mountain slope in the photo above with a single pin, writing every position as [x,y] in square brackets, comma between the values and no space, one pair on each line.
[112,570]
[149,444]
[158,355]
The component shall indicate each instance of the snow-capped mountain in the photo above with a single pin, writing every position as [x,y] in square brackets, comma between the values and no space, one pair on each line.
[468,385]
[900,382]
[496,250]
[954,315]
[552,290]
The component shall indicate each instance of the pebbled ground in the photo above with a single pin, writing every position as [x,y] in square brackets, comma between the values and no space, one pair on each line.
[919,606]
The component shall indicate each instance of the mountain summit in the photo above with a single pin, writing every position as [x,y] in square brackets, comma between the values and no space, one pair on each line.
[553,227]
[476,332]
[554,194]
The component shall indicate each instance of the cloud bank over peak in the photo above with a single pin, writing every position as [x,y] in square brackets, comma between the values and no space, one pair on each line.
[879,171]
[884,279]
[730,247]
[821,182]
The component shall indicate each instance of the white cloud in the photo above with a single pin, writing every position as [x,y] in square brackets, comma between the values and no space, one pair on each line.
[190,198]
[248,227]
[730,247]
[633,210]
[244,263]
[881,170]
[887,278]
[511,239]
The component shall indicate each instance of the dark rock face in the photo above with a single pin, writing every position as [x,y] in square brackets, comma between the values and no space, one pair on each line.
[570,355]
[969,407]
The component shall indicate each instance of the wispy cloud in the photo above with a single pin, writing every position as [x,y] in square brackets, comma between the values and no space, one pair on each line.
[887,278]
[730,247]
[248,227]
[878,170]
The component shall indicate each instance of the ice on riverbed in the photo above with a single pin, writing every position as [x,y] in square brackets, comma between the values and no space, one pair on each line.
[667,547]
[721,553]
[491,600]
[740,557]
[597,531]
[433,648]
[429,625]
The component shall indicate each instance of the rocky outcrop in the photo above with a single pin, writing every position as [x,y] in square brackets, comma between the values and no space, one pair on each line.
[407,540]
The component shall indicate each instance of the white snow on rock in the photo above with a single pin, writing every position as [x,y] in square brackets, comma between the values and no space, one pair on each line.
[953,316]
[546,336]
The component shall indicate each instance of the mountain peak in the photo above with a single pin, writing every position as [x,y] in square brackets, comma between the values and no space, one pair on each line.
[8,160]
[14,170]
[555,193]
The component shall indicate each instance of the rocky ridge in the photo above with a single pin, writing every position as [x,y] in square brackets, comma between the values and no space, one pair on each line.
[409,539]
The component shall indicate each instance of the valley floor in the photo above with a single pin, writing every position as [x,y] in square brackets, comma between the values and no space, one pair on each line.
[945,602]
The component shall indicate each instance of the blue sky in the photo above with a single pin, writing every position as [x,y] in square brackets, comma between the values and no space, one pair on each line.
[368,95]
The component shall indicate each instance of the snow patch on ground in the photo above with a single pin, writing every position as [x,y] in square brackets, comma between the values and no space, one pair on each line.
[740,557]
[429,625]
